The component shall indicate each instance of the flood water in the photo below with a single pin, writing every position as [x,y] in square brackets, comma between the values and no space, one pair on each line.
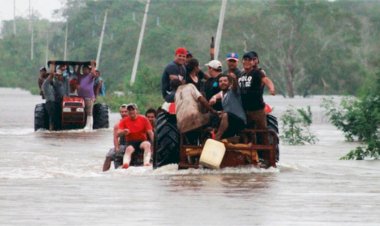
[55,178]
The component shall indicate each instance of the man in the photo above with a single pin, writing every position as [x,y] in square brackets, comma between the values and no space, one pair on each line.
[86,90]
[189,108]
[136,129]
[49,95]
[61,89]
[252,81]
[174,70]
[233,118]
[211,86]
[232,60]
[150,114]
[118,141]
[41,78]
[99,88]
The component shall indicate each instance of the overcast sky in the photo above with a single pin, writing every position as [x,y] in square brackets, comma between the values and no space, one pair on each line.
[45,8]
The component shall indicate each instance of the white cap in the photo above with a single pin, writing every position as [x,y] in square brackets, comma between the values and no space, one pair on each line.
[215,64]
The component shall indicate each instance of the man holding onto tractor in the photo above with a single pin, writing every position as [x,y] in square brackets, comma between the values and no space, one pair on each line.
[86,90]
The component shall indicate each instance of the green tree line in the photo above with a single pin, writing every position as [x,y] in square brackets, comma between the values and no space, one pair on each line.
[306,47]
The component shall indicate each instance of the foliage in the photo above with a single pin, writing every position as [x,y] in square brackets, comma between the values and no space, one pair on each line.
[306,47]
[296,126]
[359,119]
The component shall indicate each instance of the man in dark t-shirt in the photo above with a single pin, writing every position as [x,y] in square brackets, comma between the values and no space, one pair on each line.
[211,86]
[174,70]
[251,82]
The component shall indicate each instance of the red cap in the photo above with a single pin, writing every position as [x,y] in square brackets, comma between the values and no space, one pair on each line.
[181,50]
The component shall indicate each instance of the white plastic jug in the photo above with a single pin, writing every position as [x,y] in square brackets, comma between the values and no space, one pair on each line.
[212,154]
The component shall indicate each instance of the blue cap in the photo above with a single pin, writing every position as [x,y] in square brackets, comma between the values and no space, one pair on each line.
[232,56]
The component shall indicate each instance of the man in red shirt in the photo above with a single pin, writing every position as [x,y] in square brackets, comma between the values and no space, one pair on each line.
[136,128]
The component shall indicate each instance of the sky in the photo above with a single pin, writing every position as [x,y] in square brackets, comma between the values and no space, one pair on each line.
[44,8]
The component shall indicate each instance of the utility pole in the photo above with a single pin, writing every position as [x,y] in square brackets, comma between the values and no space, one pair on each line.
[220,28]
[14,17]
[32,44]
[32,31]
[47,47]
[138,50]
[65,46]
[101,39]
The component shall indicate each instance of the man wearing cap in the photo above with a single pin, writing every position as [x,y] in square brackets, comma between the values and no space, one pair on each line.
[86,90]
[174,70]
[41,78]
[118,142]
[136,128]
[252,81]
[211,86]
[232,60]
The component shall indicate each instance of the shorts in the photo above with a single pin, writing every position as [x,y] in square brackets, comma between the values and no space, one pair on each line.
[111,153]
[235,125]
[134,144]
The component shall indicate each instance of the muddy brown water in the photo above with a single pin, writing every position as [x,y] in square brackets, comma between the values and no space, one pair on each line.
[55,178]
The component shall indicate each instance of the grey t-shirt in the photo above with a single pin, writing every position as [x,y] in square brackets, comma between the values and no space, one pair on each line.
[48,90]
[231,102]
[61,88]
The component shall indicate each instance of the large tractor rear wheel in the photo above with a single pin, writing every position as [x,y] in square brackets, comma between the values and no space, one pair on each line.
[41,118]
[273,125]
[100,113]
[167,140]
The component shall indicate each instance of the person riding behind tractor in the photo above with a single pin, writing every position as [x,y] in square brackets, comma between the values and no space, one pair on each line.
[86,91]
[136,128]
[174,70]
[151,114]
[118,141]
[232,118]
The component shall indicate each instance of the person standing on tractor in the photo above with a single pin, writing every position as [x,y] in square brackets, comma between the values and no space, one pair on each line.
[41,78]
[118,141]
[49,94]
[61,89]
[232,60]
[232,118]
[174,70]
[136,128]
[86,91]
[252,81]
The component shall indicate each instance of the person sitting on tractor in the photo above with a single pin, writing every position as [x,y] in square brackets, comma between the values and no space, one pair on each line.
[189,108]
[136,128]
[233,118]
[118,141]
[99,88]
[86,91]
[211,86]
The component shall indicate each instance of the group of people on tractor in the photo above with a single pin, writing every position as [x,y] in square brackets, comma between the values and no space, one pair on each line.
[227,101]
[83,81]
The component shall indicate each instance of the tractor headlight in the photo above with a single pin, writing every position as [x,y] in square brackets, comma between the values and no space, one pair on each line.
[66,109]
[80,109]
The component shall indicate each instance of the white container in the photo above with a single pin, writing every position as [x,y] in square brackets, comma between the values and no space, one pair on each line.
[212,154]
